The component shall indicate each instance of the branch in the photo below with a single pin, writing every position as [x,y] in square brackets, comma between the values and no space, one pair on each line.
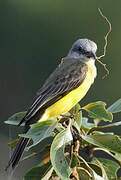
[75,149]
[106,43]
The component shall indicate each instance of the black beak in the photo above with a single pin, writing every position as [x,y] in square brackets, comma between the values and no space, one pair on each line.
[91,55]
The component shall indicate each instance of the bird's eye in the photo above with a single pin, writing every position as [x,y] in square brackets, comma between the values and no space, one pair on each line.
[79,48]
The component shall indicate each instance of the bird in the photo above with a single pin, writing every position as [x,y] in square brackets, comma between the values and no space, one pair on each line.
[63,89]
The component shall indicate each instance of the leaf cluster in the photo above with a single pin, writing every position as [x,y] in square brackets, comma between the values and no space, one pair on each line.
[74,140]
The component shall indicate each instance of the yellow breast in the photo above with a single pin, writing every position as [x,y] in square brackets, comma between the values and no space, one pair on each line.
[71,99]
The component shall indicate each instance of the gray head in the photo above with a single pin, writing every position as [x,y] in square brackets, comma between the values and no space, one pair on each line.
[84,49]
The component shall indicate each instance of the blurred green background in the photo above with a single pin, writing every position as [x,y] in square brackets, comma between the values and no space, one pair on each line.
[34,35]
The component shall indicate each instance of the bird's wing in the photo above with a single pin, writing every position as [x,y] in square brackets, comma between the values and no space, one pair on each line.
[68,75]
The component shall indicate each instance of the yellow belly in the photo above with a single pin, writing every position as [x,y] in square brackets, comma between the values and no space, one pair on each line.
[71,99]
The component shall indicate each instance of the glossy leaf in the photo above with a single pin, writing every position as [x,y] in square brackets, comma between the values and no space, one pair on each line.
[16,118]
[116,107]
[83,174]
[38,172]
[43,154]
[111,168]
[95,167]
[88,170]
[58,159]
[116,156]
[85,170]
[74,161]
[48,175]
[86,126]
[75,109]
[98,128]
[104,174]
[97,110]
[108,141]
[77,121]
[59,127]
[40,131]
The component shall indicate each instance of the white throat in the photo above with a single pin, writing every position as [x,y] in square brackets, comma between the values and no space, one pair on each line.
[91,64]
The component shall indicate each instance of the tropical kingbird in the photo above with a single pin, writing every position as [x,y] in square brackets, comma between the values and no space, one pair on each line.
[64,88]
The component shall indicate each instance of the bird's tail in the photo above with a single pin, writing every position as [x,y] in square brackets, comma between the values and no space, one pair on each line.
[18,151]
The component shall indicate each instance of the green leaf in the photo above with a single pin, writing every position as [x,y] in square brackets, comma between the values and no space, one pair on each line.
[43,153]
[85,170]
[116,156]
[83,174]
[77,121]
[59,128]
[97,177]
[48,175]
[38,172]
[12,144]
[111,168]
[74,161]
[104,174]
[74,124]
[16,118]
[75,109]
[97,110]
[58,159]
[108,141]
[89,171]
[86,126]
[116,107]
[40,131]
[94,166]
[98,128]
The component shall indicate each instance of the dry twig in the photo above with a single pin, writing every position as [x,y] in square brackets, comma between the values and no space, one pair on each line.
[106,43]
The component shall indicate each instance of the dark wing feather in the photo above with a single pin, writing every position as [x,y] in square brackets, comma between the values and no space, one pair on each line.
[67,76]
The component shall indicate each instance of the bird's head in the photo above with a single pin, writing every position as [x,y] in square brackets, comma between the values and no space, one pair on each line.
[84,49]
